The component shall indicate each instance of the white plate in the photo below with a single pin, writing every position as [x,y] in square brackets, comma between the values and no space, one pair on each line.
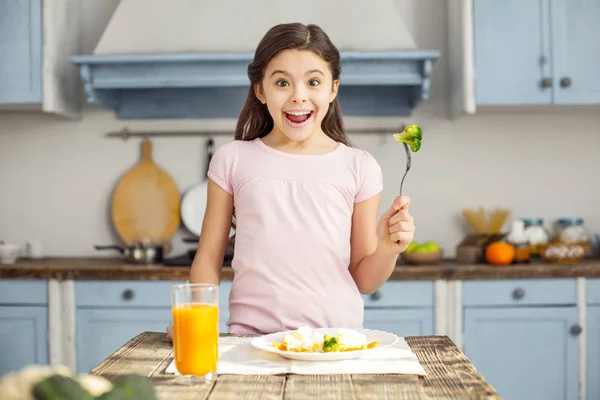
[265,343]
[193,207]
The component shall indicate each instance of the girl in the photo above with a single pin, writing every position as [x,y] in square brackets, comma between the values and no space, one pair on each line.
[307,241]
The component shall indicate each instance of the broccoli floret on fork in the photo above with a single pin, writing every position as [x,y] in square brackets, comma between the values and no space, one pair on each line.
[412,136]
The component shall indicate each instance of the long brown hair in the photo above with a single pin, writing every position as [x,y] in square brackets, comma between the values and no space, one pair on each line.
[254,120]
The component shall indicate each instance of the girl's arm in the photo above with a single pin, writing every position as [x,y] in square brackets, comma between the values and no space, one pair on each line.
[208,262]
[374,247]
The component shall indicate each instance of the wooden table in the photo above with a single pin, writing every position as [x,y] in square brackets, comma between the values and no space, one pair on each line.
[450,375]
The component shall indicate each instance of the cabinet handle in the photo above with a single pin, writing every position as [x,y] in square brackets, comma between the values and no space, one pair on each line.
[376,295]
[565,82]
[576,330]
[546,83]
[518,293]
[128,294]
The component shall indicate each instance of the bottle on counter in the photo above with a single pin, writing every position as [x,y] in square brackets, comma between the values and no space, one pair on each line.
[571,242]
[536,234]
[572,231]
[517,238]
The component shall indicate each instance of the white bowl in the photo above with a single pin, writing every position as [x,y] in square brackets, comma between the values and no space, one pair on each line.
[9,253]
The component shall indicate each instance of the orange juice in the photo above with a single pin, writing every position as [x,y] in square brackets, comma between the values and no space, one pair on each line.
[196,338]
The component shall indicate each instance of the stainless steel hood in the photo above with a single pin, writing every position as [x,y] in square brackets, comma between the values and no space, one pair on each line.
[188,58]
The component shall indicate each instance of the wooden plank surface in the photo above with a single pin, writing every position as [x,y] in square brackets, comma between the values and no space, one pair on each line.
[449,371]
[116,269]
[450,375]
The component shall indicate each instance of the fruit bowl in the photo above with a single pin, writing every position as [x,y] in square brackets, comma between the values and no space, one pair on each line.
[422,258]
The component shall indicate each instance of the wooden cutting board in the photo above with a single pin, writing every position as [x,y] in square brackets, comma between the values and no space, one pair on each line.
[146,202]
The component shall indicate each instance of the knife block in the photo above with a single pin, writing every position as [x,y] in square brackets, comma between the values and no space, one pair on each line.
[472,248]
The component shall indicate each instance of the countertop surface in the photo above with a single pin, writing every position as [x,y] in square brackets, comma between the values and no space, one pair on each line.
[116,269]
[450,375]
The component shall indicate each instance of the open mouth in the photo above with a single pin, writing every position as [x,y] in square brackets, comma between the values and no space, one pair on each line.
[298,118]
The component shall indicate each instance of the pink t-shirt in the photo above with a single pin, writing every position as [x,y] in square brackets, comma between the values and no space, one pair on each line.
[293,226]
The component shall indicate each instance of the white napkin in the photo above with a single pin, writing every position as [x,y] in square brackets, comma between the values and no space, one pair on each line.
[237,356]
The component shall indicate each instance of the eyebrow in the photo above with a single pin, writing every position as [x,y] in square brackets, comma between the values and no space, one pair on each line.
[312,71]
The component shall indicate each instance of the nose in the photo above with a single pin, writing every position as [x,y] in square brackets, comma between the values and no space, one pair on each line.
[299,95]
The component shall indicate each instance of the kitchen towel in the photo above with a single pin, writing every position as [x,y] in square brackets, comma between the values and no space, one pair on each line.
[237,356]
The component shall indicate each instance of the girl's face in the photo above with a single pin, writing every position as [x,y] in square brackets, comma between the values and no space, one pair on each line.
[297,88]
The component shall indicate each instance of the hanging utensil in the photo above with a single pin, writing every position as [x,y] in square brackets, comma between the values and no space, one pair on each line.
[145,203]
[193,204]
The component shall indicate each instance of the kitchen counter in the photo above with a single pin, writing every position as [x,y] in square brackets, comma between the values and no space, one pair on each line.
[116,269]
[450,375]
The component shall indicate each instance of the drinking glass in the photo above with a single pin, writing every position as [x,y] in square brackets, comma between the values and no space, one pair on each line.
[195,309]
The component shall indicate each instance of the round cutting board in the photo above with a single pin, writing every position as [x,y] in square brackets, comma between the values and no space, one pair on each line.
[146,202]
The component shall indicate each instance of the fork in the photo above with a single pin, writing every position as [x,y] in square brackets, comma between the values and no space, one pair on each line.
[408,160]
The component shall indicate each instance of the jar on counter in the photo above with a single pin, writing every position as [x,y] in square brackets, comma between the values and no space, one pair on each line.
[516,238]
[572,231]
[535,234]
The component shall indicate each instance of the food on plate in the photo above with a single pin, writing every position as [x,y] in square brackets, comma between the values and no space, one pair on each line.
[307,340]
[412,136]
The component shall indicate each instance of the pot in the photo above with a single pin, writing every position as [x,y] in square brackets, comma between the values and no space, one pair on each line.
[139,253]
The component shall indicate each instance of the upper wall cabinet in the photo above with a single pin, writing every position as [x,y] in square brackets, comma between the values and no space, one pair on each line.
[36,39]
[575,38]
[513,52]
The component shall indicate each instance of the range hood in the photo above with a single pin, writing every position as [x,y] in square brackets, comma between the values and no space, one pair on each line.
[188,58]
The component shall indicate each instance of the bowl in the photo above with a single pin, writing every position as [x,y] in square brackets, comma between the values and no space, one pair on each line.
[9,253]
[414,258]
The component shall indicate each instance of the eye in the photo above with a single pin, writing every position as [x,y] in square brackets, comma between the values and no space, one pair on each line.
[313,82]
[281,83]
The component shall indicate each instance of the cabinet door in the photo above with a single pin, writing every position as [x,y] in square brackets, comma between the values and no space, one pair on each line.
[511,52]
[593,352]
[20,51]
[100,332]
[525,353]
[402,322]
[576,51]
[23,337]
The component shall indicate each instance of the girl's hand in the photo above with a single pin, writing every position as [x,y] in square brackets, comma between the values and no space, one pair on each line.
[170,333]
[396,228]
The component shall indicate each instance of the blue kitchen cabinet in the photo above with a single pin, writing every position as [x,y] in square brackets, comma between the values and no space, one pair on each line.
[401,321]
[511,50]
[101,331]
[537,52]
[23,324]
[405,308]
[576,51]
[593,352]
[110,313]
[592,334]
[20,52]
[523,335]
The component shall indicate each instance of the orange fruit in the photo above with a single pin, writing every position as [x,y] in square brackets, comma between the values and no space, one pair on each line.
[499,253]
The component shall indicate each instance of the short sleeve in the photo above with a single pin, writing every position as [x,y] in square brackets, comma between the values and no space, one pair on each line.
[221,166]
[370,178]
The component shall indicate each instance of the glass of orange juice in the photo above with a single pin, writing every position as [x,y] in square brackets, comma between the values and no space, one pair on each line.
[195,309]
